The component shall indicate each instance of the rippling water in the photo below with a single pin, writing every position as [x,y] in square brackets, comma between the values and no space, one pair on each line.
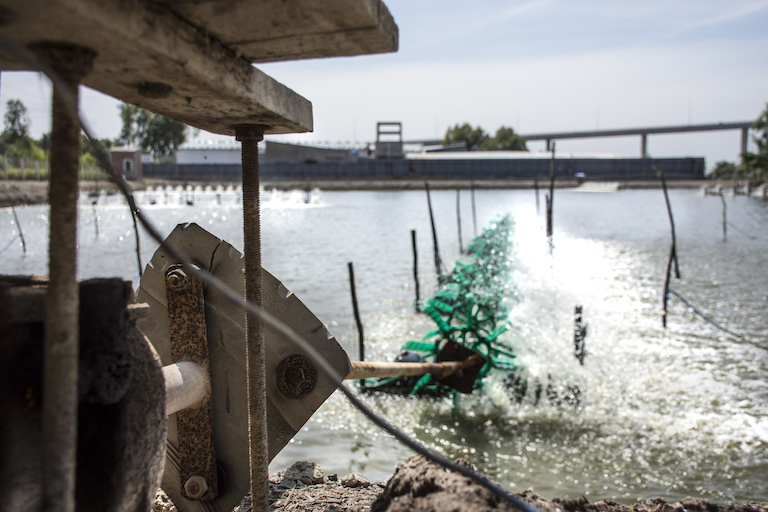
[677,412]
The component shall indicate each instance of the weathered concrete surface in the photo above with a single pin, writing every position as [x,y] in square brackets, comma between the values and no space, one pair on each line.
[275,30]
[150,56]
[191,60]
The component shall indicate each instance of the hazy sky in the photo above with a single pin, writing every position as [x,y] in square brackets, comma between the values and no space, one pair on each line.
[541,65]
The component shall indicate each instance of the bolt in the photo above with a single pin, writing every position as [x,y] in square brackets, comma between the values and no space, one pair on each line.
[195,487]
[177,279]
[296,376]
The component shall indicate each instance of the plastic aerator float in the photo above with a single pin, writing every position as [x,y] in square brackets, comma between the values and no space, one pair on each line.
[470,318]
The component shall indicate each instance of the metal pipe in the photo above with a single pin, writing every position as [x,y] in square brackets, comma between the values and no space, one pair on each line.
[61,345]
[250,135]
[369,370]
[186,384]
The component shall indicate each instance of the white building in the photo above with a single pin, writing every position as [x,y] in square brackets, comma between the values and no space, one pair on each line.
[210,152]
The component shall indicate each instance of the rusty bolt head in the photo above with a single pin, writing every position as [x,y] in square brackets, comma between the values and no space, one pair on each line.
[296,376]
[195,487]
[177,279]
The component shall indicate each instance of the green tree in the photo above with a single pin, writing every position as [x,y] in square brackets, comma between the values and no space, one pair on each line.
[727,171]
[474,137]
[505,140]
[757,163]
[15,140]
[153,133]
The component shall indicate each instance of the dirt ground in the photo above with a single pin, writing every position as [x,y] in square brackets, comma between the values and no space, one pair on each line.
[422,486]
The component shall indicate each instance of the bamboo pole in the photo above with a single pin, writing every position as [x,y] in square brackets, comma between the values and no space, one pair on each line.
[436,248]
[474,211]
[416,269]
[369,370]
[21,232]
[458,219]
[725,220]
[356,310]
[550,198]
[672,250]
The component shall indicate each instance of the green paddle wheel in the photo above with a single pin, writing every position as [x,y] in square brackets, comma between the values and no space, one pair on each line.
[468,309]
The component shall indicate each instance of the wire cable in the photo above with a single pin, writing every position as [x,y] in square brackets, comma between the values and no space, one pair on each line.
[10,242]
[702,315]
[740,231]
[236,299]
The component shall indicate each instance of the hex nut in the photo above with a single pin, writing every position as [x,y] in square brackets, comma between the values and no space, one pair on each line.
[177,279]
[195,487]
[296,376]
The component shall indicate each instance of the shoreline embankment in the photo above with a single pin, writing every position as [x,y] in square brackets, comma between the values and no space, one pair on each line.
[30,192]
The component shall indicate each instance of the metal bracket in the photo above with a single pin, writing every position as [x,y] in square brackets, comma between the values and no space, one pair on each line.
[189,342]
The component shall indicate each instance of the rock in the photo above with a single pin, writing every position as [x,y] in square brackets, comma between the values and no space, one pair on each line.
[163,503]
[305,472]
[354,480]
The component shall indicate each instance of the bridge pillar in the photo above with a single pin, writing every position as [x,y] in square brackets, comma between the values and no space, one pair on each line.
[549,145]
[744,140]
[643,145]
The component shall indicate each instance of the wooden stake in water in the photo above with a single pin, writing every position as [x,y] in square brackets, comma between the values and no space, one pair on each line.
[361,337]
[96,218]
[21,233]
[672,249]
[458,219]
[725,220]
[474,211]
[416,270]
[438,264]
[138,245]
[550,198]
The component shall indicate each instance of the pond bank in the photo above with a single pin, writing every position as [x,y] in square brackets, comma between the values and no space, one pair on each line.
[29,192]
[423,486]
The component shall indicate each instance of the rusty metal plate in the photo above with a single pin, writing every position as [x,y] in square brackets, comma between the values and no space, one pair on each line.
[189,342]
[226,346]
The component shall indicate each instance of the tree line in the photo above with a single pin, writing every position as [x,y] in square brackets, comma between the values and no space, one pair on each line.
[153,133]
[477,140]
[753,166]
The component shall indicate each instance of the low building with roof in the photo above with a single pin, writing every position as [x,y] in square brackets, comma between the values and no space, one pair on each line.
[127,160]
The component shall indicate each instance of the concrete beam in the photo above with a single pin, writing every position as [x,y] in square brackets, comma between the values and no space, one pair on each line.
[638,131]
[276,30]
[191,60]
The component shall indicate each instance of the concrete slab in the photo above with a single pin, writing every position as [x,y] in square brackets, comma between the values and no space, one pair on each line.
[168,57]
[275,30]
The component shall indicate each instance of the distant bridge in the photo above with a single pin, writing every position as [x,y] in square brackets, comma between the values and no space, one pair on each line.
[643,132]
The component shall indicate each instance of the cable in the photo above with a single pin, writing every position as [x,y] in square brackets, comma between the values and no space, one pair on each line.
[9,243]
[236,299]
[702,315]
[740,231]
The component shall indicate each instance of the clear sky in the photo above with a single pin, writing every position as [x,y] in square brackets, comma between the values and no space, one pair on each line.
[534,65]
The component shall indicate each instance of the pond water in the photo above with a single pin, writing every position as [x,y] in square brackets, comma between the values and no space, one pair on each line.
[673,413]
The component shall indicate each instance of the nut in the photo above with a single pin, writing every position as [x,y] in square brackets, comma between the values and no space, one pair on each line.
[296,376]
[195,487]
[177,279]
